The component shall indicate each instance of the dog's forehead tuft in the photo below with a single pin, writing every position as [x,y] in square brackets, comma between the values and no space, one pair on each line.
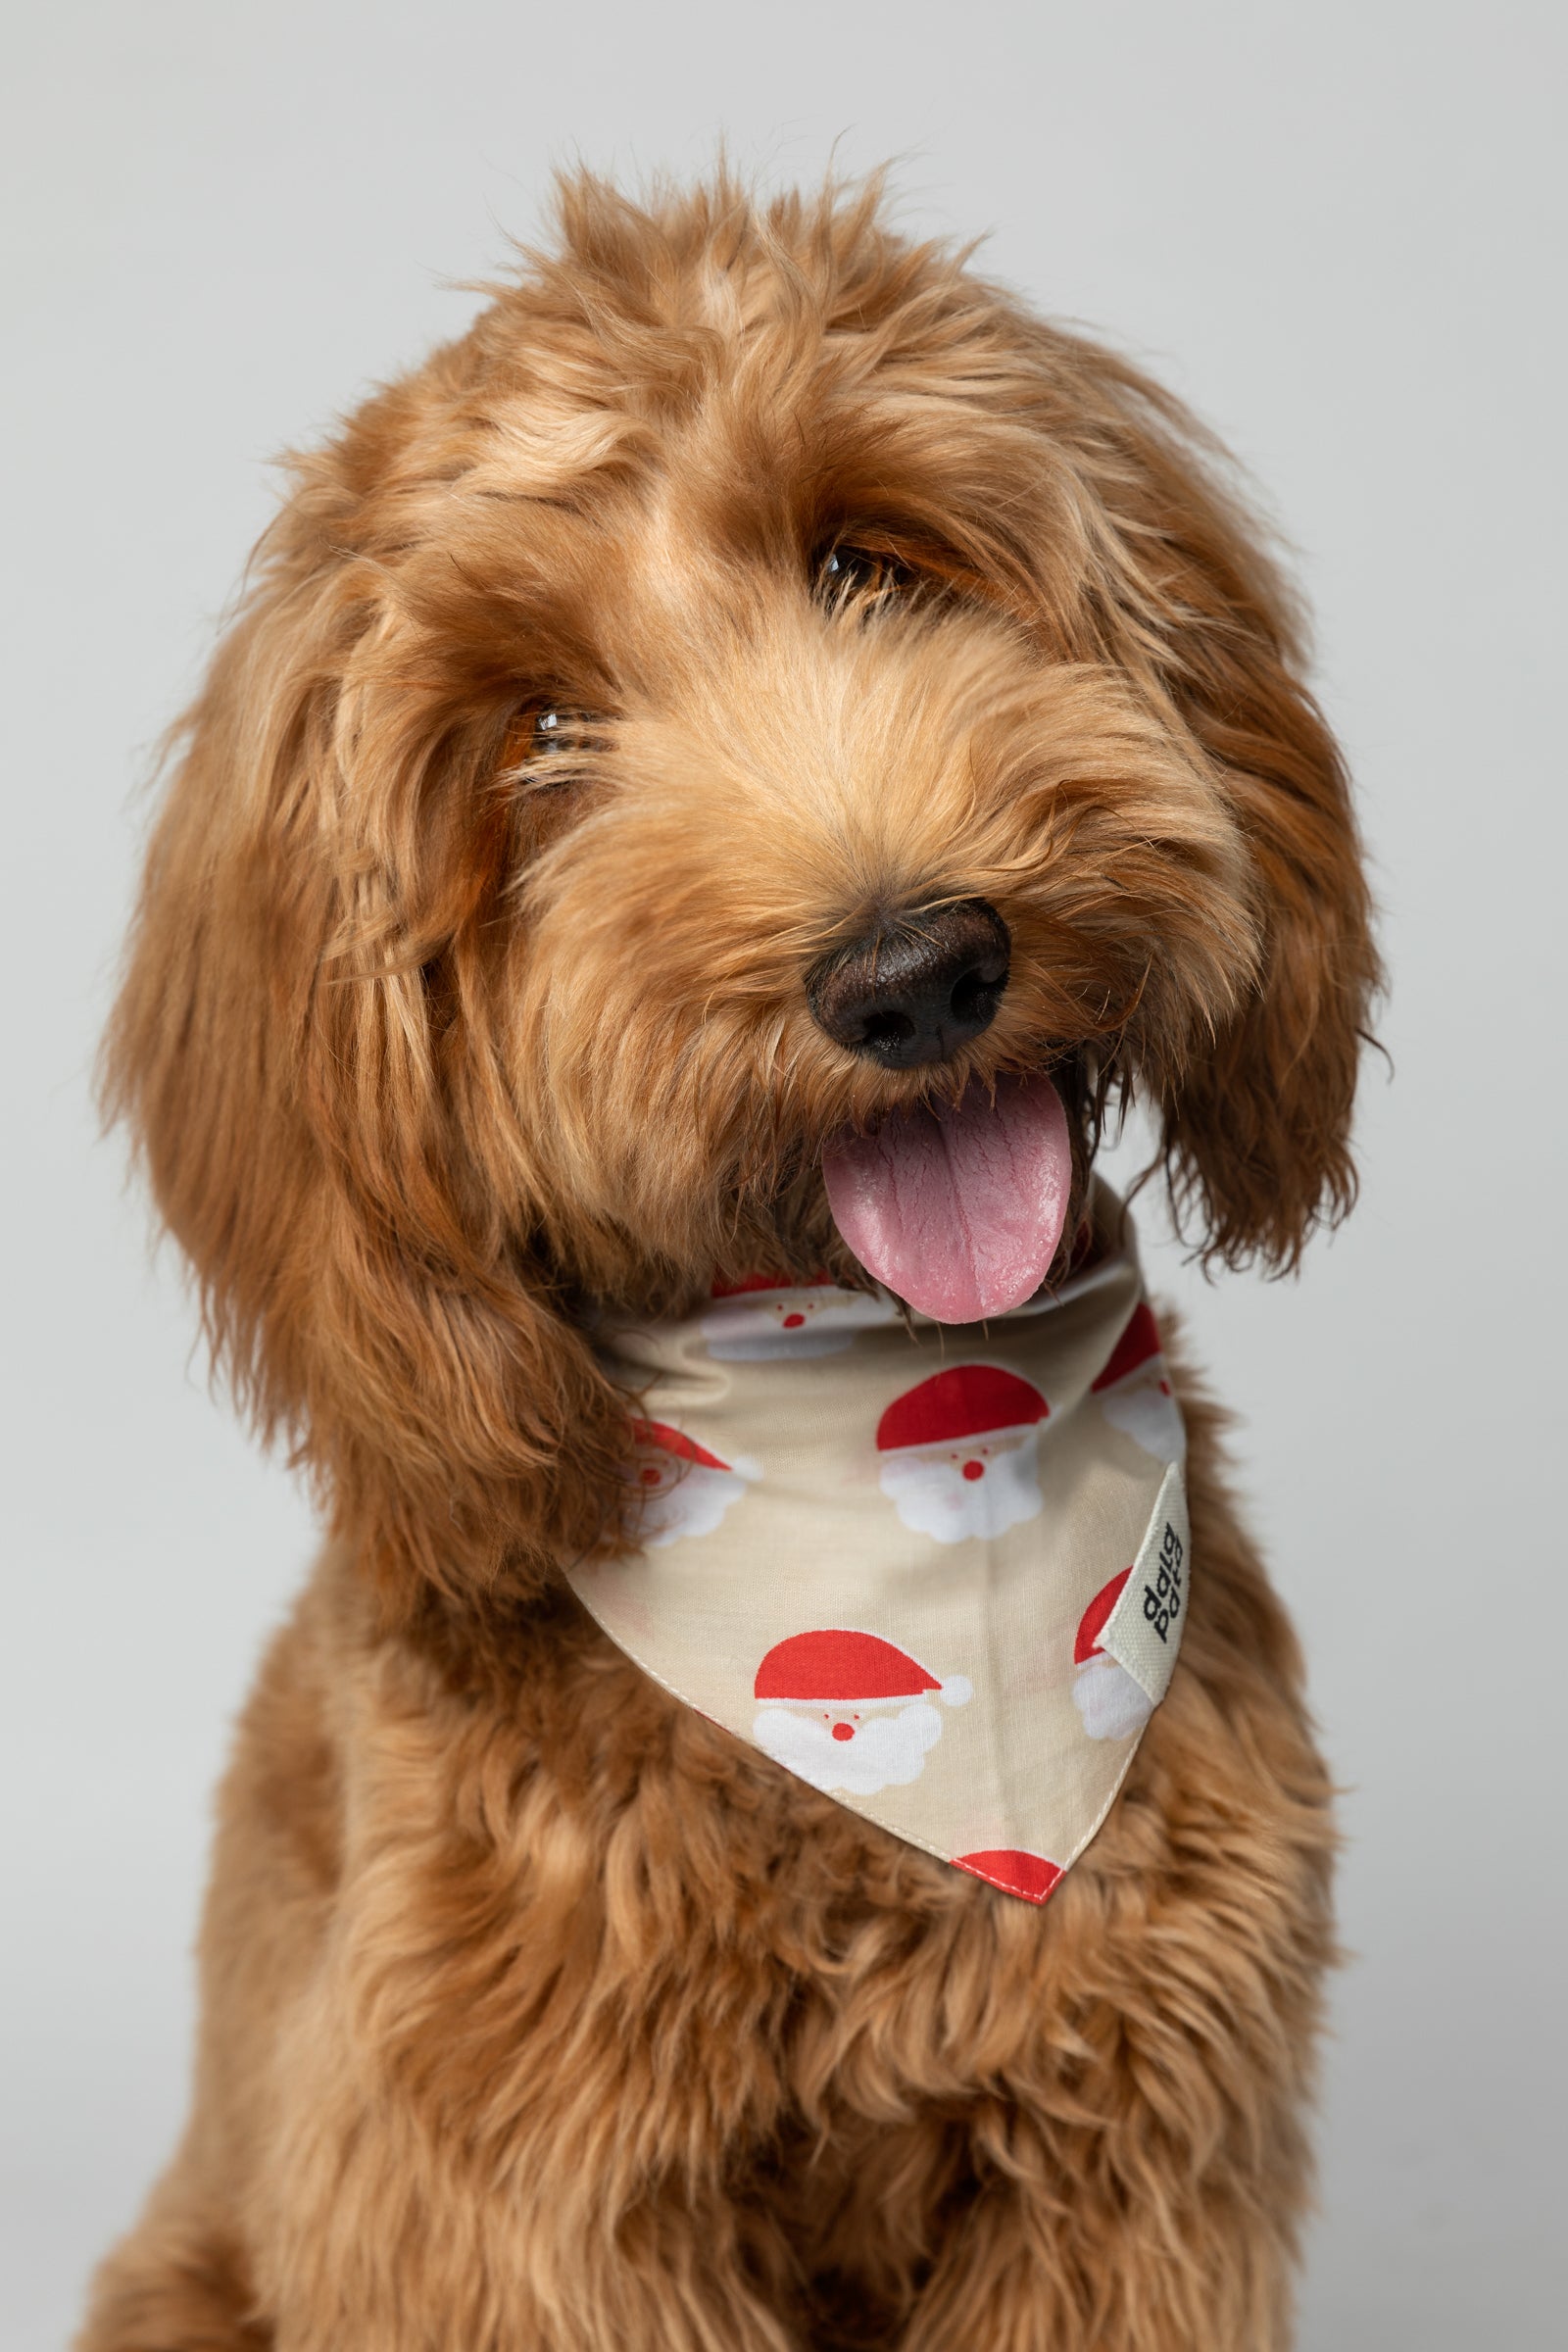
[749,342]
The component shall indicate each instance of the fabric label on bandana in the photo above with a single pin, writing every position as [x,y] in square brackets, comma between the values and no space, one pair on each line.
[1144,1631]
[938,1572]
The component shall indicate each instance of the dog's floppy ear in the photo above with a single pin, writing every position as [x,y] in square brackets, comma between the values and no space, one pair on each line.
[1255,1121]
[1257,1131]
[302,1048]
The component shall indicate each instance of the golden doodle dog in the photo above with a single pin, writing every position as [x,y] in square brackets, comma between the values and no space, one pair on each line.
[755,692]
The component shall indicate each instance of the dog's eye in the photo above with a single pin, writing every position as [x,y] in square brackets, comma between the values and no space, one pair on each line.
[553,737]
[845,572]
[556,729]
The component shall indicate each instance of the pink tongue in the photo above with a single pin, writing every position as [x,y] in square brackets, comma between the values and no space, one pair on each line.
[958,1211]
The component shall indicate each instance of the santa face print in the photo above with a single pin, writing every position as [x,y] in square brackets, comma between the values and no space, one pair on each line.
[955,1491]
[685,1489]
[1135,1390]
[754,1321]
[859,1751]
[848,1712]
[1110,1705]
[959,1453]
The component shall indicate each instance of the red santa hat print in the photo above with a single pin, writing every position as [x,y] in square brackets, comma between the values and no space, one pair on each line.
[666,1439]
[1094,1619]
[958,1452]
[836,1666]
[967,1400]
[1014,1870]
[1138,1346]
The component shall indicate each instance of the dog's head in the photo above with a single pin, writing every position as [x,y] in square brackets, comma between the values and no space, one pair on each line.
[758,681]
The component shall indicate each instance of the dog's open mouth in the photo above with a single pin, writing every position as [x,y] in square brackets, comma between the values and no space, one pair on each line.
[959,1210]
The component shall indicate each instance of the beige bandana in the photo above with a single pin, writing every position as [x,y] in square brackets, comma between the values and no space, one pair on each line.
[939,1571]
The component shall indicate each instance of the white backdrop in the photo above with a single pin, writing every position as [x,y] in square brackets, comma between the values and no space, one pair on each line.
[1337,228]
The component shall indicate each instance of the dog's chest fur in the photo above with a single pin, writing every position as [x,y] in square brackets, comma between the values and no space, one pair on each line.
[538,1905]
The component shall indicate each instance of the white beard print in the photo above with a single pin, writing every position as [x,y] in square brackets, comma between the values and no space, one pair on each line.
[887,1751]
[931,1494]
[1112,1705]
[749,1330]
[688,1499]
[1149,1414]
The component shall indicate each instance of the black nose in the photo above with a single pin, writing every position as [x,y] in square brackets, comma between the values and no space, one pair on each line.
[917,987]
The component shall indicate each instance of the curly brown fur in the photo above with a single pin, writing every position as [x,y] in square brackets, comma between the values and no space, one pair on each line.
[538,2011]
